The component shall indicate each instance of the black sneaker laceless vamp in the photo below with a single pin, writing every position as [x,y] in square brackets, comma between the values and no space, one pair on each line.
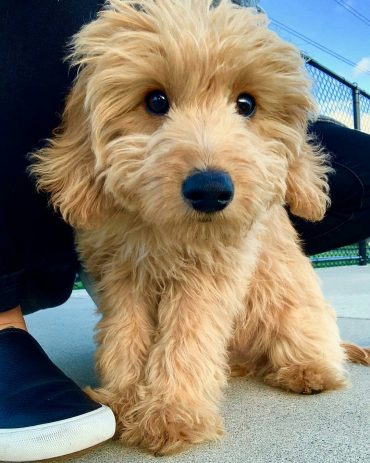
[43,413]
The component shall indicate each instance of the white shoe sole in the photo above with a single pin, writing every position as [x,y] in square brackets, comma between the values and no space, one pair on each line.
[52,440]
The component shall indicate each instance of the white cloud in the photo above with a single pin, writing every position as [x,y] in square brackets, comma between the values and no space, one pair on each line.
[362,67]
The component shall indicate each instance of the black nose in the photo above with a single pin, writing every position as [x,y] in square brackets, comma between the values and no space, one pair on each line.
[208,191]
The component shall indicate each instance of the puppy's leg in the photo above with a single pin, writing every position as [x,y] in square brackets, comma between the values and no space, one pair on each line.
[306,355]
[186,369]
[288,332]
[124,336]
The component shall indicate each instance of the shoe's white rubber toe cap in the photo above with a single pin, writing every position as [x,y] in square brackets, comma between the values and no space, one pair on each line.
[59,438]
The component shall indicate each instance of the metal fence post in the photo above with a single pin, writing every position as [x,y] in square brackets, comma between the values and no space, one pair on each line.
[362,251]
[362,245]
[356,108]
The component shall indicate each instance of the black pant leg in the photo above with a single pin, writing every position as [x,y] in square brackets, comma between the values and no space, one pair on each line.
[37,257]
[348,219]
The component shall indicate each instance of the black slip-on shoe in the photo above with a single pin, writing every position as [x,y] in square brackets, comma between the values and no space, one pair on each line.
[43,413]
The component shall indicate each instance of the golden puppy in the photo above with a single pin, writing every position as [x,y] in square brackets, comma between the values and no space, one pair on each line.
[183,138]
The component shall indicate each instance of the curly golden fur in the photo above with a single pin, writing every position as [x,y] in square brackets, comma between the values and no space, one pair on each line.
[185,297]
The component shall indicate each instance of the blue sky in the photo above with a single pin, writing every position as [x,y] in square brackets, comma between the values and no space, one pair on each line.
[329,24]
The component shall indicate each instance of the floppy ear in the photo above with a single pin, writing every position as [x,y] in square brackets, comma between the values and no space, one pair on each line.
[68,167]
[65,168]
[307,187]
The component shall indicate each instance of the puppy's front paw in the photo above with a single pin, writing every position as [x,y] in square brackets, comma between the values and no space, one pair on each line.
[307,379]
[166,429]
[119,402]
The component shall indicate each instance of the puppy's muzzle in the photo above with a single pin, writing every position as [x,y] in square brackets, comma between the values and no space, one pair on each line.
[208,191]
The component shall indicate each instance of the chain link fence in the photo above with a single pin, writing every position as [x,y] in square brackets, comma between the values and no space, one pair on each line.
[339,98]
[365,112]
[348,255]
[346,103]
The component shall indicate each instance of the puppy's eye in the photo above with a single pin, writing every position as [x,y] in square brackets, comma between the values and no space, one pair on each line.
[246,105]
[157,102]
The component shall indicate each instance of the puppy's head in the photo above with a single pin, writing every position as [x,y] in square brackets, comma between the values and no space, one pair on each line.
[189,116]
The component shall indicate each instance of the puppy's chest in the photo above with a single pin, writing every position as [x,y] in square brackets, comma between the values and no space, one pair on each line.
[168,265]
[160,270]
[154,266]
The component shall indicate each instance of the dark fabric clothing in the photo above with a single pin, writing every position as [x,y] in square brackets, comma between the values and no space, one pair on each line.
[33,391]
[37,258]
[348,219]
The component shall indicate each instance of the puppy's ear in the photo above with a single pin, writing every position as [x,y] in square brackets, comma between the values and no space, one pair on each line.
[65,168]
[307,187]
